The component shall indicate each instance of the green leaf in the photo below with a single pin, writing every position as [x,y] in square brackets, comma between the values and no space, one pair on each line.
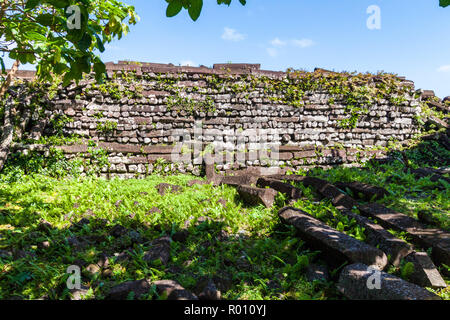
[173,8]
[35,36]
[46,19]
[59,68]
[444,3]
[195,9]
[100,45]
[58,3]
[2,63]
[31,4]
[99,69]
[85,42]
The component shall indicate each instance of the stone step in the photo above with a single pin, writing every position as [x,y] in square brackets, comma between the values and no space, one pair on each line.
[437,239]
[337,246]
[359,282]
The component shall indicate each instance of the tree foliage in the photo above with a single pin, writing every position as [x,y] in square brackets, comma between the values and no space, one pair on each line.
[194,7]
[62,37]
[444,3]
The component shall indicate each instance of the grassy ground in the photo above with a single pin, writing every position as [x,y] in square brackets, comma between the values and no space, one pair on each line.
[246,249]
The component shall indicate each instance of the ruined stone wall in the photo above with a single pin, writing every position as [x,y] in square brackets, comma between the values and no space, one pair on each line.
[254,117]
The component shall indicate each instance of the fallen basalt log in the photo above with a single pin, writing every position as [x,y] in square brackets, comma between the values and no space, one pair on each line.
[337,246]
[368,191]
[255,196]
[425,273]
[324,188]
[359,282]
[437,239]
[395,248]
[286,188]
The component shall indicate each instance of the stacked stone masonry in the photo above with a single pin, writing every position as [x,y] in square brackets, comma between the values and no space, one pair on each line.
[145,122]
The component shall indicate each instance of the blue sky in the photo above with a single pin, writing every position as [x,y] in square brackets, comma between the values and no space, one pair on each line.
[414,39]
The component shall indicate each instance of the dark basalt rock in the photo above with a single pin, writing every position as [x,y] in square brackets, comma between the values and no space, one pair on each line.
[317,272]
[336,246]
[368,191]
[173,290]
[377,236]
[208,290]
[118,231]
[255,196]
[286,188]
[163,188]
[121,291]
[160,249]
[425,273]
[324,188]
[181,235]
[355,279]
[434,238]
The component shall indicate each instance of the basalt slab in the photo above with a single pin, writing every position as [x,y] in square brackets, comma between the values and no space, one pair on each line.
[366,191]
[255,196]
[286,188]
[395,248]
[324,188]
[239,180]
[425,273]
[437,239]
[336,246]
[359,282]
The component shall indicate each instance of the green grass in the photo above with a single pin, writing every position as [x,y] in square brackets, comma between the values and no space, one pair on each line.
[246,248]
[260,257]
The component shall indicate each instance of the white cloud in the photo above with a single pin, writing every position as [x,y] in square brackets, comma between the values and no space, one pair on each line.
[272,52]
[112,47]
[278,43]
[445,68]
[232,35]
[188,63]
[303,43]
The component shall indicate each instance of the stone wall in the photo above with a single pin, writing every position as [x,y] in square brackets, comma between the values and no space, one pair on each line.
[253,117]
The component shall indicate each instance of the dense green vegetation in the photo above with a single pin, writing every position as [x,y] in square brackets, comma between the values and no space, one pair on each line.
[252,254]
